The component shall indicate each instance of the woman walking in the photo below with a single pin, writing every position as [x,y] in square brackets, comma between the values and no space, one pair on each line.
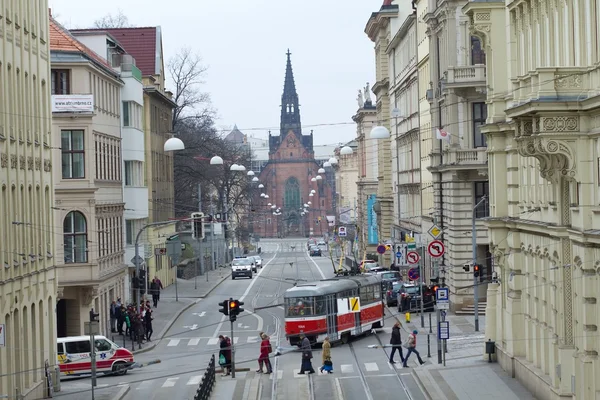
[306,356]
[326,355]
[411,345]
[225,355]
[148,321]
[265,350]
[396,342]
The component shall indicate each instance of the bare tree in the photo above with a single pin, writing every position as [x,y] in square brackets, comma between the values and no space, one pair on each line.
[119,20]
[186,71]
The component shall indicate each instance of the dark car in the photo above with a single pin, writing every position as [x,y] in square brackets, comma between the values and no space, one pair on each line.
[391,293]
[315,251]
[390,276]
[409,298]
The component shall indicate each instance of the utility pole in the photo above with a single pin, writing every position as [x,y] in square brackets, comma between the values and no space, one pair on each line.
[475,278]
[422,281]
[212,235]
[92,328]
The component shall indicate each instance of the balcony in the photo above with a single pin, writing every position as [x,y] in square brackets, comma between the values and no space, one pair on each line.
[462,159]
[467,81]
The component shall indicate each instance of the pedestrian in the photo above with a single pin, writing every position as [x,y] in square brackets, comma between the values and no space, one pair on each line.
[411,345]
[128,330]
[148,322]
[225,354]
[139,329]
[396,342]
[306,356]
[326,355]
[160,287]
[113,316]
[265,350]
[154,291]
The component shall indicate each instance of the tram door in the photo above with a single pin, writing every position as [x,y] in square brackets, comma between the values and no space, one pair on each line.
[357,327]
[331,310]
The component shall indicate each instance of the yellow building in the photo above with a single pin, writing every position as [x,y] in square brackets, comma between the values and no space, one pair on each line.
[542,134]
[27,276]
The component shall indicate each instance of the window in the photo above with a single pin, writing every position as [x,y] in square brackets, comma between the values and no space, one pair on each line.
[73,152]
[482,189]
[129,226]
[477,53]
[75,238]
[299,306]
[479,117]
[82,346]
[60,81]
[102,345]
[292,194]
[132,115]
[134,173]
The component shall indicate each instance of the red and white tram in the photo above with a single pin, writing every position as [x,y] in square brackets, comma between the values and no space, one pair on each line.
[322,308]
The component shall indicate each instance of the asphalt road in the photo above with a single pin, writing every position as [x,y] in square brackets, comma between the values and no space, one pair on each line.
[360,372]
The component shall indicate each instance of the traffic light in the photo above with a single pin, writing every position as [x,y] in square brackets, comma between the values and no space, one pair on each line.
[135,282]
[224,307]
[467,267]
[94,316]
[142,277]
[476,270]
[197,225]
[235,309]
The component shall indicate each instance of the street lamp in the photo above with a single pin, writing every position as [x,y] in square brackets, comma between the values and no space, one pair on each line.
[234,167]
[250,173]
[309,203]
[313,180]
[216,160]
[255,179]
[313,191]
[311,195]
[318,178]
[326,164]
[174,144]
[266,196]
[380,132]
[261,186]
[269,204]
[346,151]
[333,161]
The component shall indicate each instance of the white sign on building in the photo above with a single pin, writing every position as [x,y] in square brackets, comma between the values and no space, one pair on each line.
[2,335]
[73,103]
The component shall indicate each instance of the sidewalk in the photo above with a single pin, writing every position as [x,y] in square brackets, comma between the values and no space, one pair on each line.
[467,374]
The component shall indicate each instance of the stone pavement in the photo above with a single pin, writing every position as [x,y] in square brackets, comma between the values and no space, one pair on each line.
[174,301]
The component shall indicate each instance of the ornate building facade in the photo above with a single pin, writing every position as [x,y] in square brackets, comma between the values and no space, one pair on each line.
[289,177]
[542,132]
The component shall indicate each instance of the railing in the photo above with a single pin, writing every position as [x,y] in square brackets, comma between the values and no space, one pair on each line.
[466,74]
[208,381]
[466,156]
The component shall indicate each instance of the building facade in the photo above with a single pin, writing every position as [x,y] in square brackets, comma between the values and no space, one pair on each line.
[542,143]
[290,175]
[378,29]
[145,46]
[459,163]
[346,177]
[28,276]
[88,203]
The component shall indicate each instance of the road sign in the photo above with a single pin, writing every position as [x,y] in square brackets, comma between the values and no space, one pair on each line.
[412,244]
[174,250]
[398,254]
[436,249]
[413,274]
[413,257]
[381,249]
[355,304]
[342,231]
[435,231]
[442,298]
[139,260]
[444,330]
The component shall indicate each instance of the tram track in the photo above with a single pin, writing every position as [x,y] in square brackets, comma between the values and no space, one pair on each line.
[404,387]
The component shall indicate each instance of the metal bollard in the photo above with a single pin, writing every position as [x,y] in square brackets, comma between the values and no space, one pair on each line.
[430,330]
[429,343]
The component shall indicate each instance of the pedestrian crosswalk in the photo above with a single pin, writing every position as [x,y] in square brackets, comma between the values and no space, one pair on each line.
[210,341]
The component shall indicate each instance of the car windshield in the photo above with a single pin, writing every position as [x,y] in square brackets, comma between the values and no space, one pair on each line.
[314,248]
[412,289]
[389,275]
[396,286]
[241,261]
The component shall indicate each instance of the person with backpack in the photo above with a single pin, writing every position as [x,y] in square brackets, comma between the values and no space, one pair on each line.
[411,345]
[326,355]
[265,350]
[396,342]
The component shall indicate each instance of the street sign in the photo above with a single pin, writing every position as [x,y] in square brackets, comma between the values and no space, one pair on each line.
[91,328]
[436,249]
[435,232]
[412,245]
[413,257]
[342,231]
[413,274]
[381,249]
[139,260]
[444,330]
[398,254]
[442,298]
[2,335]
[174,250]
[355,304]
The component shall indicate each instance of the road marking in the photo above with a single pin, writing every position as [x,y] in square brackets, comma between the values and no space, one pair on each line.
[249,288]
[194,342]
[144,385]
[297,373]
[371,367]
[338,389]
[170,382]
[173,342]
[279,375]
[194,380]
[213,341]
[347,368]
[398,366]
[316,265]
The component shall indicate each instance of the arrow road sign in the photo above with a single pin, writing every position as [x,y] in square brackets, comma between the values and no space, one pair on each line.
[413,274]
[436,249]
[398,255]
[413,257]
[192,328]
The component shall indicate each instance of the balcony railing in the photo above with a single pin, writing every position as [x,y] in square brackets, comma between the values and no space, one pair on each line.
[469,75]
[465,156]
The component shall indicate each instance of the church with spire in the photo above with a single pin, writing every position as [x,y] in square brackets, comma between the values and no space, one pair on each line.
[291,177]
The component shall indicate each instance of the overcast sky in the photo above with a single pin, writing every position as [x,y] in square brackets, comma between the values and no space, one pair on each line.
[243,42]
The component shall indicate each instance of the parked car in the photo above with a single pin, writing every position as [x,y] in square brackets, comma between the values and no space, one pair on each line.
[242,266]
[391,293]
[369,266]
[389,276]
[409,298]
[310,243]
[321,243]
[315,251]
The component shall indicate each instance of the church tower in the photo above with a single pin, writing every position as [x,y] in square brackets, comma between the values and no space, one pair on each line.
[290,109]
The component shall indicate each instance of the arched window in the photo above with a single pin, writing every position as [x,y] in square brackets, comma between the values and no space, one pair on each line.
[75,238]
[292,194]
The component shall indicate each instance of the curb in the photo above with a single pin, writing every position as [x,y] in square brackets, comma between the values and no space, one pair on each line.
[122,393]
[220,371]
[169,324]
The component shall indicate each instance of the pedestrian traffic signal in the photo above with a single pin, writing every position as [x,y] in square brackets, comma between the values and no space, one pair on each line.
[467,267]
[235,309]
[224,307]
[197,225]
[476,270]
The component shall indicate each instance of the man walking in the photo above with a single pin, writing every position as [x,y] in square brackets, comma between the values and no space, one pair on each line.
[411,345]
[158,289]
[396,342]
[113,316]
[154,291]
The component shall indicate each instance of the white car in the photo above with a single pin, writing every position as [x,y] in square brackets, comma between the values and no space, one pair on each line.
[242,266]
[258,261]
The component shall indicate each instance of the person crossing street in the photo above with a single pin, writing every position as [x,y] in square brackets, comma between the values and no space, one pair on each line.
[411,345]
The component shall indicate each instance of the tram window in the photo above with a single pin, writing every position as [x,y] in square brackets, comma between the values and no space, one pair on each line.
[320,306]
[377,292]
[299,306]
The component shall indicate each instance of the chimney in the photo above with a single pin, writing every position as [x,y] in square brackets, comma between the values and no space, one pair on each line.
[50,12]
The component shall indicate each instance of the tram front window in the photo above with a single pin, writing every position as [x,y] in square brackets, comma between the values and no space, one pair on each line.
[299,307]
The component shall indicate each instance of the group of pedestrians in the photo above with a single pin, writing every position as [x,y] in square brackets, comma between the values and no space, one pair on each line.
[128,321]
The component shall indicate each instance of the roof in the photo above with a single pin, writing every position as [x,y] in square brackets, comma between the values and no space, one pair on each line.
[329,286]
[143,44]
[62,40]
[235,136]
